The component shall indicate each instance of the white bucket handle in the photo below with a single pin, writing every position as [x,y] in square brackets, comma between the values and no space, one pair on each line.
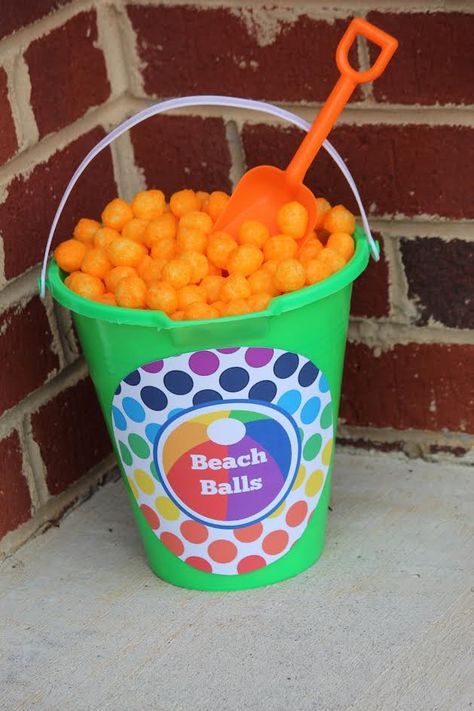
[184,102]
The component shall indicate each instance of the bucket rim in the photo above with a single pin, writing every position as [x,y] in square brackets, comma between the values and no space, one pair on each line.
[157,319]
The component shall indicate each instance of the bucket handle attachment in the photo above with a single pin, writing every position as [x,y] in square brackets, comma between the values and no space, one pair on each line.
[186,102]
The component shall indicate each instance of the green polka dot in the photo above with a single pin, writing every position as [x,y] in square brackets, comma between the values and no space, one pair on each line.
[139,446]
[326,417]
[153,470]
[301,434]
[312,447]
[125,454]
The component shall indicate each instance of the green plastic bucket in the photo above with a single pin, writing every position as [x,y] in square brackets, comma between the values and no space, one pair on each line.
[224,430]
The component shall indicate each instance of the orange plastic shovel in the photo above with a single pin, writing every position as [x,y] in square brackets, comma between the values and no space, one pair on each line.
[263,190]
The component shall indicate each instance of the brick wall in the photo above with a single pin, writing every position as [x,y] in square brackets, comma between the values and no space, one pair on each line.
[69,71]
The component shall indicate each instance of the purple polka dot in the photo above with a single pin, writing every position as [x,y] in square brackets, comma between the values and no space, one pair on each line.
[258,357]
[204,363]
[154,367]
[227,350]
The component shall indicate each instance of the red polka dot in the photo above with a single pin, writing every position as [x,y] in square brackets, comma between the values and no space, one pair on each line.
[196,562]
[222,551]
[150,516]
[194,532]
[251,562]
[275,542]
[297,513]
[247,534]
[172,542]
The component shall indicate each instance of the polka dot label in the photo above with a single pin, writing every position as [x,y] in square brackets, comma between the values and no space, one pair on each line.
[226,452]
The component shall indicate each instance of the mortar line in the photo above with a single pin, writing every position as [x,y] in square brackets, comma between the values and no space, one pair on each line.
[35,462]
[129,41]
[109,40]
[383,335]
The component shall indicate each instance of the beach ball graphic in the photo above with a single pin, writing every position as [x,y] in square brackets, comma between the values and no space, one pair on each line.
[229,464]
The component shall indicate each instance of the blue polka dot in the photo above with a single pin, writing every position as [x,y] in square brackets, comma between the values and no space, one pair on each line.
[151,431]
[133,409]
[133,378]
[264,390]
[177,382]
[290,401]
[286,365]
[206,396]
[323,384]
[307,374]
[310,411]
[119,420]
[154,398]
[118,390]
[234,379]
[174,412]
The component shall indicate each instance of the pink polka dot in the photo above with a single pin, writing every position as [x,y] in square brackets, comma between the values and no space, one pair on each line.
[227,350]
[204,363]
[154,367]
[150,516]
[275,542]
[222,551]
[250,563]
[194,532]
[258,357]
[296,513]
[172,542]
[247,534]
[200,563]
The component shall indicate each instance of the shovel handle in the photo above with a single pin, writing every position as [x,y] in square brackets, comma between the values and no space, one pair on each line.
[386,42]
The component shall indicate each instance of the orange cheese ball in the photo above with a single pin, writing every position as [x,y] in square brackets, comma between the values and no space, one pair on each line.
[177,272]
[339,219]
[108,299]
[212,284]
[261,282]
[197,220]
[253,232]
[131,293]
[259,302]
[280,247]
[203,197]
[316,271]
[234,287]
[104,236]
[245,260]
[271,266]
[116,214]
[216,204]
[236,307]
[189,295]
[96,263]
[90,287]
[115,275]
[164,248]
[163,228]
[125,252]
[184,201]
[213,270]
[85,230]
[309,250]
[150,269]
[162,297]
[290,275]
[219,247]
[135,229]
[198,263]
[69,255]
[342,243]
[220,306]
[332,259]
[191,238]
[292,219]
[148,205]
[322,208]
[199,311]
[177,316]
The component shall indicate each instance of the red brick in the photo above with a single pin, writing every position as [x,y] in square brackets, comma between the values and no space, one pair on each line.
[67,72]
[26,352]
[71,435]
[15,501]
[370,295]
[19,13]
[191,50]
[433,63]
[28,210]
[413,169]
[427,386]
[440,278]
[183,151]
[8,141]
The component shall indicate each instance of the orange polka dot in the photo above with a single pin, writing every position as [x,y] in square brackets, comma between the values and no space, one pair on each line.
[275,542]
[297,513]
[222,551]
[150,516]
[172,542]
[200,563]
[251,562]
[193,531]
[248,533]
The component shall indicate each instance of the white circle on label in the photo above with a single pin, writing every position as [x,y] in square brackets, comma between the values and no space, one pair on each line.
[226,431]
